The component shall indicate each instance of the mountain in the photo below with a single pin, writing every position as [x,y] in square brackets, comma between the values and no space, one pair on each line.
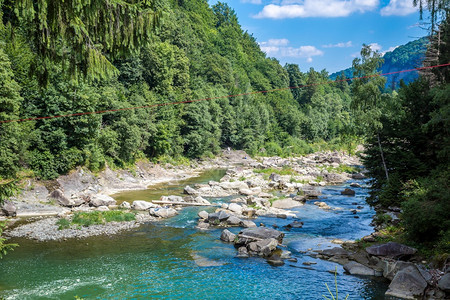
[404,57]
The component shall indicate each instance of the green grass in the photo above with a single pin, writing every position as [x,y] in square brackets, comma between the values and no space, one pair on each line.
[95,218]
[242,178]
[319,178]
[340,169]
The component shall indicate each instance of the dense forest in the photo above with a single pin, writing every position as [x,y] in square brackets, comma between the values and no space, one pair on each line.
[186,50]
[195,52]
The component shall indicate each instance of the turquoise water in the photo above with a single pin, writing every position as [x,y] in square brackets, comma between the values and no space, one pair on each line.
[167,260]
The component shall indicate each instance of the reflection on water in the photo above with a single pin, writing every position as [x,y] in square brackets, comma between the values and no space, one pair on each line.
[171,259]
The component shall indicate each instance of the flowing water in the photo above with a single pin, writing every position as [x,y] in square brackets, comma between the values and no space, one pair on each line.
[172,260]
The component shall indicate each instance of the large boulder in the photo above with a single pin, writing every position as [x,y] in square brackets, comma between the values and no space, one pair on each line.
[227,236]
[336,251]
[142,205]
[391,268]
[234,207]
[407,284]
[190,191]
[391,249]
[163,212]
[355,268]
[444,283]
[311,192]
[235,185]
[203,215]
[172,198]
[59,197]
[201,200]
[286,203]
[256,234]
[9,209]
[102,200]
[247,224]
[234,221]
[263,247]
[348,192]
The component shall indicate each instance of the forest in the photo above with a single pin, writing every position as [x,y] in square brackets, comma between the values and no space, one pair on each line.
[186,50]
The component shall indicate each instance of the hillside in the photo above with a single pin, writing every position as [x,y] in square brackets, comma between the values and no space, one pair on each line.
[404,57]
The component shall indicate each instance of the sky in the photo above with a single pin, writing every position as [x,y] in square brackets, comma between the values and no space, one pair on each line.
[327,34]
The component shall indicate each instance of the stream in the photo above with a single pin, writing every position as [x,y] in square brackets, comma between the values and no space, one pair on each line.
[171,259]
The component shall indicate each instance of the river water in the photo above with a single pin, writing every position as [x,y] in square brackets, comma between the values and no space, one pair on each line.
[173,260]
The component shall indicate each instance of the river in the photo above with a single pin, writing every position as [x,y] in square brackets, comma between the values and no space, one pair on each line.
[167,259]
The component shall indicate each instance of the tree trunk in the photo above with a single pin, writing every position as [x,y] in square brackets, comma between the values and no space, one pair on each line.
[382,157]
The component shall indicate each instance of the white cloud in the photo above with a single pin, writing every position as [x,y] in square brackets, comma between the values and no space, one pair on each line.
[389,50]
[375,47]
[278,47]
[252,1]
[398,8]
[339,45]
[315,8]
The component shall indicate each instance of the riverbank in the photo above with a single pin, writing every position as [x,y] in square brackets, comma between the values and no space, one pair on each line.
[258,180]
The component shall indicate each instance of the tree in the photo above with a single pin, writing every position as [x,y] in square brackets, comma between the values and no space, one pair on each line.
[367,95]
[82,35]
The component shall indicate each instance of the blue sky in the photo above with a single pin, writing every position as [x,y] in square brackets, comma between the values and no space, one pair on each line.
[327,34]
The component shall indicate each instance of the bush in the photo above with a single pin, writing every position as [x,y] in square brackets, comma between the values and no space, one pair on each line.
[101,217]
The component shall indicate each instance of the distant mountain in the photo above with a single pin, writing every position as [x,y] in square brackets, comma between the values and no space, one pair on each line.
[404,57]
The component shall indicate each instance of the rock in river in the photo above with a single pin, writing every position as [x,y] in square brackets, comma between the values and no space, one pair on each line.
[227,236]
[162,212]
[348,192]
[355,268]
[286,203]
[257,234]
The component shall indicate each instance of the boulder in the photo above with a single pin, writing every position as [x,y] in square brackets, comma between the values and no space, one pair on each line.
[242,252]
[172,198]
[235,185]
[275,260]
[257,234]
[301,199]
[322,205]
[391,268]
[103,208]
[190,191]
[201,200]
[358,176]
[9,209]
[407,284]
[247,224]
[286,203]
[355,268]
[295,224]
[102,200]
[142,205]
[355,185]
[246,192]
[311,193]
[274,177]
[203,225]
[125,205]
[336,251]
[203,215]
[348,192]
[334,178]
[391,249]
[234,221]
[227,236]
[59,197]
[234,207]
[162,212]
[263,247]
[216,218]
[444,283]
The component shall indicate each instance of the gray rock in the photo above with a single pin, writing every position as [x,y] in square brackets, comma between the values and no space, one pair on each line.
[301,199]
[310,192]
[172,198]
[142,205]
[234,221]
[391,249]
[203,215]
[355,185]
[216,218]
[274,177]
[263,247]
[246,192]
[286,203]
[355,268]
[227,236]
[247,224]
[242,252]
[295,224]
[391,268]
[190,191]
[358,176]
[407,283]
[333,178]
[236,185]
[444,283]
[162,212]
[257,234]
[9,209]
[103,208]
[59,197]
[203,225]
[125,205]
[336,251]
[275,261]
[234,207]
[348,192]
[201,200]
[102,200]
